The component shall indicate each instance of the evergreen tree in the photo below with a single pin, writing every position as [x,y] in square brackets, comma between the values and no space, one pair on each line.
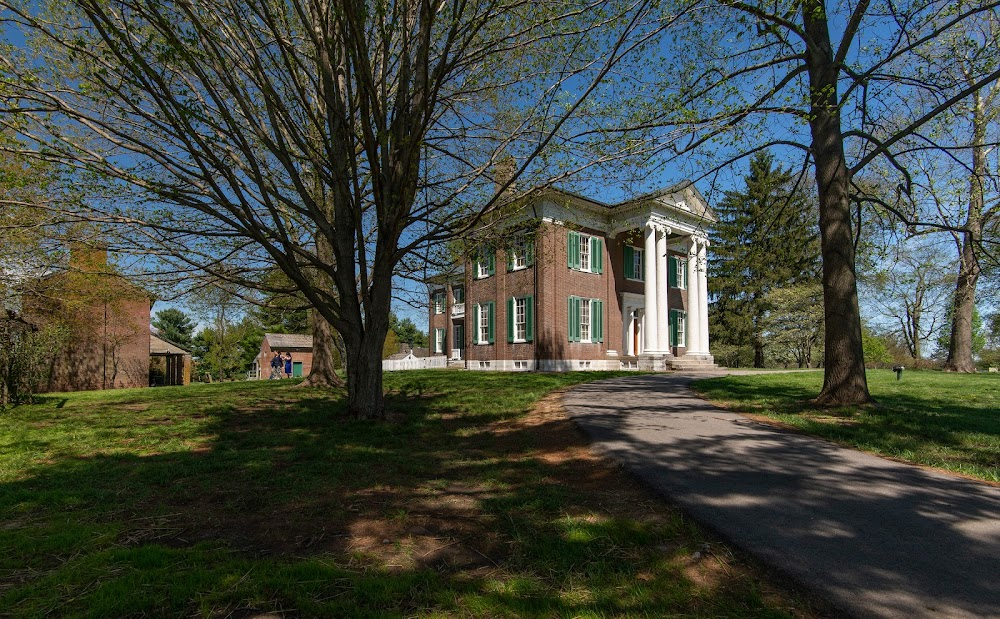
[765,240]
[175,326]
[406,331]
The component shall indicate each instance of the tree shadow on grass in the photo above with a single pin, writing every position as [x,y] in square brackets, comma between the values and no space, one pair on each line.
[879,537]
[284,504]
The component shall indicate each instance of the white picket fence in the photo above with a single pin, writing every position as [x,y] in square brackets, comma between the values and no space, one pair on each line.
[414,363]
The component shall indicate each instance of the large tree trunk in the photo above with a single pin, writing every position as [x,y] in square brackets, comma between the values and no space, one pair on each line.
[960,348]
[758,353]
[844,380]
[323,372]
[365,399]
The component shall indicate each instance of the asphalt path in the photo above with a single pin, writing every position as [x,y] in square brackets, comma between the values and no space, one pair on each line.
[875,537]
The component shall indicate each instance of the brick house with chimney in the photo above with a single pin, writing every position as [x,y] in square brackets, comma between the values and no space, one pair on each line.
[107,322]
[571,283]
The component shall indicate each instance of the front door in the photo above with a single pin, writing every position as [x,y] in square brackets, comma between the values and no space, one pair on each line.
[635,334]
[296,369]
[459,342]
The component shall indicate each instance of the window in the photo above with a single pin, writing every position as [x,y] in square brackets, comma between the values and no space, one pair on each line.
[584,252]
[458,292]
[439,341]
[439,302]
[677,272]
[485,265]
[585,320]
[483,313]
[633,263]
[520,319]
[521,254]
[678,328]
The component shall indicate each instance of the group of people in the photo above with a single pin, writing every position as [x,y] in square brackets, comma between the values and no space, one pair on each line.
[281,362]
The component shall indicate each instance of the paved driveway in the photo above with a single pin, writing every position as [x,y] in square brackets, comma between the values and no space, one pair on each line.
[875,537]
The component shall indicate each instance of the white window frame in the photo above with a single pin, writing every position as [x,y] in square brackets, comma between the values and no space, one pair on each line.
[458,291]
[585,257]
[520,319]
[483,325]
[585,321]
[439,341]
[439,302]
[483,265]
[519,255]
[638,257]
[681,329]
[682,273]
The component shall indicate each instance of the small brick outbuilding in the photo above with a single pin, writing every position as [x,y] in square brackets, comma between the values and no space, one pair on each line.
[298,345]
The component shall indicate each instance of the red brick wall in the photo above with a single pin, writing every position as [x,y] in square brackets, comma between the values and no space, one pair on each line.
[552,282]
[107,320]
[440,321]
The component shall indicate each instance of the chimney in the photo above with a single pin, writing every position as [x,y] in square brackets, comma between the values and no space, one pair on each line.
[503,171]
[88,258]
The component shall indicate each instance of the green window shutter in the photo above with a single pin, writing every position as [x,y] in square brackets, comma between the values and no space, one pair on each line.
[573,250]
[573,319]
[492,262]
[629,261]
[673,327]
[672,271]
[597,320]
[510,260]
[529,318]
[490,315]
[529,259]
[596,255]
[510,320]
[475,267]
[475,323]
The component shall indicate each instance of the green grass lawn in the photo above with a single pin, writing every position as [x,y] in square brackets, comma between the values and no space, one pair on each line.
[242,498]
[944,420]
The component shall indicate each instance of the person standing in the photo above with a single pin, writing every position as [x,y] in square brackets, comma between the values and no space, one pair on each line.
[288,365]
[276,366]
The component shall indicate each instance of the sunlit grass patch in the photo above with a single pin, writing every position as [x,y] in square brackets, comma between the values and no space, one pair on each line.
[944,420]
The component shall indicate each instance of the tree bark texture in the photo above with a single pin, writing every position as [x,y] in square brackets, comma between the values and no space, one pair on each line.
[323,372]
[960,357]
[844,379]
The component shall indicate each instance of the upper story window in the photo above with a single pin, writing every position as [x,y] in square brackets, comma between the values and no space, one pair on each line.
[584,252]
[485,262]
[521,254]
[633,263]
[458,292]
[677,271]
[439,302]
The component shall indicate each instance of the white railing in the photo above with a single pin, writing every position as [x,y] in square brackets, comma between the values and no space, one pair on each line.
[417,363]
[458,310]
[456,354]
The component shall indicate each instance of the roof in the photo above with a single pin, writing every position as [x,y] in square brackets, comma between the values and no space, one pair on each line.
[160,346]
[288,341]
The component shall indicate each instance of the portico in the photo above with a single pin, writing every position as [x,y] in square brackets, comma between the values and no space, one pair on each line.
[651,331]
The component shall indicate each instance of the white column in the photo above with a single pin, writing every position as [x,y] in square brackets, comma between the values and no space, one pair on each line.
[691,326]
[662,314]
[703,296]
[649,336]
